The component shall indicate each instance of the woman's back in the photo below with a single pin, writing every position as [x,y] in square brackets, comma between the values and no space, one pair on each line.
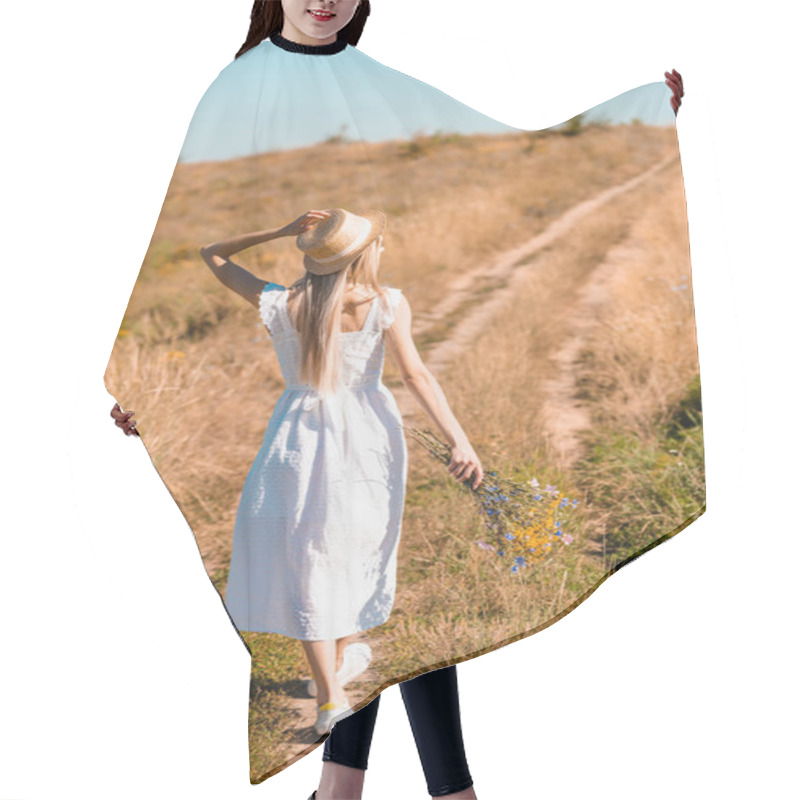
[361,339]
[356,307]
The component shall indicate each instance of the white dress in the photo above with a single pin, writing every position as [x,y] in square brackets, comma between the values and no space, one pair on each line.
[319,519]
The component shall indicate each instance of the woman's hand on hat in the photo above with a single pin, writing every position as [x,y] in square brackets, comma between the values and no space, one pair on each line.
[465,464]
[303,222]
[675,82]
[122,419]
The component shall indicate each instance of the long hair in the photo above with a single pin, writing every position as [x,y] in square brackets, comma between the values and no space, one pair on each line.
[266,18]
[319,311]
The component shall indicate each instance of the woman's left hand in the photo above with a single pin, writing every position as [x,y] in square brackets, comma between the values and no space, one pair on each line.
[675,82]
[302,222]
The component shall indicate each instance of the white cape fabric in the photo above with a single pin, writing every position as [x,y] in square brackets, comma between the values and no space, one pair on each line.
[549,278]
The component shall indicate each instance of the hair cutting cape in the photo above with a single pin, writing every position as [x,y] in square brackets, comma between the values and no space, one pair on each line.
[549,278]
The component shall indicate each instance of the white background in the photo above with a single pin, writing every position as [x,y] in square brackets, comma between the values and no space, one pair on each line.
[121,674]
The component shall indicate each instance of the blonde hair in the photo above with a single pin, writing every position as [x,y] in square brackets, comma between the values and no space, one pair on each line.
[318,316]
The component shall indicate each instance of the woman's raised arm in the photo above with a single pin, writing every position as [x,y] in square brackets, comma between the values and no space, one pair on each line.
[230,274]
[464,463]
[237,278]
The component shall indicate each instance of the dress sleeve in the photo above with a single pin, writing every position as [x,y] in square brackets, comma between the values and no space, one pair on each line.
[389,306]
[271,294]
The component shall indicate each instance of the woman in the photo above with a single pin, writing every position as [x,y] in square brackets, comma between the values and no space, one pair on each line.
[316,534]
[320,27]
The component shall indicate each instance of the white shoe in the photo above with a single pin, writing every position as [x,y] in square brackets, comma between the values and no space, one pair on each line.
[355,660]
[328,714]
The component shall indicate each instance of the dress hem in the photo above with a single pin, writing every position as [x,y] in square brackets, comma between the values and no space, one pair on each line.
[313,638]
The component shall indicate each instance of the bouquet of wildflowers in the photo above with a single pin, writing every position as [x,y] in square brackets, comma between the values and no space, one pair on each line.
[524,521]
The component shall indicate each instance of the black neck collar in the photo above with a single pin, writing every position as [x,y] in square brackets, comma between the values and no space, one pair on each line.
[308,49]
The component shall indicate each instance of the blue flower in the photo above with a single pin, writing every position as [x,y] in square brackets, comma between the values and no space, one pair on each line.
[509,536]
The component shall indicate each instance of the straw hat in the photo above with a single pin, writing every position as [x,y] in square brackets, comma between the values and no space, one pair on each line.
[332,243]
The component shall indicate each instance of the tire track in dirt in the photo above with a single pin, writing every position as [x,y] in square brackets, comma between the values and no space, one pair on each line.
[564,415]
[502,270]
